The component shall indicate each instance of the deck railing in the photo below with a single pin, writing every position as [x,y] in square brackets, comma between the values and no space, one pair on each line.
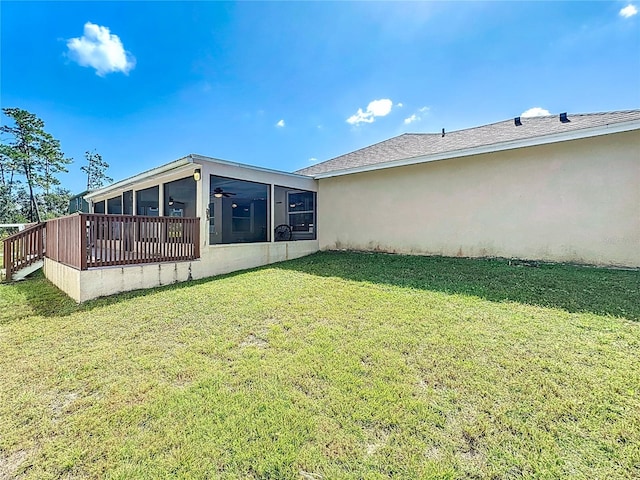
[24,248]
[86,240]
[66,242]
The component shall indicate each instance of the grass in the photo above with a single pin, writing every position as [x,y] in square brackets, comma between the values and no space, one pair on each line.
[337,365]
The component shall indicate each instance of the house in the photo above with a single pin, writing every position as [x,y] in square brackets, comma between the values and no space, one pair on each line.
[191,218]
[557,188]
[77,203]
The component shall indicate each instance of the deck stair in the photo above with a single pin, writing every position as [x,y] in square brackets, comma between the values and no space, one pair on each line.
[24,252]
[26,271]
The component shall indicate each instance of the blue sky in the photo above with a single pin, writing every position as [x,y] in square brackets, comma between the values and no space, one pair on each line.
[280,84]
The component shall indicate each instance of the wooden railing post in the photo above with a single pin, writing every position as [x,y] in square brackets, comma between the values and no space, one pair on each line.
[196,239]
[83,241]
[41,250]
[7,259]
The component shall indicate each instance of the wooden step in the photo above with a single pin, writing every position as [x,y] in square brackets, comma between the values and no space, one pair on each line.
[26,271]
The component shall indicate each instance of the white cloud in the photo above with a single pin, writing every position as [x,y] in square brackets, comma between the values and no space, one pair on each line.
[416,116]
[535,112]
[399,104]
[628,11]
[313,159]
[280,124]
[376,108]
[100,49]
[411,119]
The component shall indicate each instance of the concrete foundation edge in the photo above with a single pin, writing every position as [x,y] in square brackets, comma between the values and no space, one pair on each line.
[215,260]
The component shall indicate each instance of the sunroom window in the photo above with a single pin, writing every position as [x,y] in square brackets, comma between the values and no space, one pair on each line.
[147,202]
[114,205]
[238,211]
[301,212]
[295,214]
[180,198]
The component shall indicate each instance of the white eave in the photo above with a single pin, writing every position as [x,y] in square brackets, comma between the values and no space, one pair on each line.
[201,158]
[494,147]
[192,159]
[127,182]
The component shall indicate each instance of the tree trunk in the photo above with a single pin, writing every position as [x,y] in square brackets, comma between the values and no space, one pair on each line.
[33,204]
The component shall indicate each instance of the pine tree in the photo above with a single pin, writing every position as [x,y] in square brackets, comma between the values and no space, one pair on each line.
[33,155]
[95,169]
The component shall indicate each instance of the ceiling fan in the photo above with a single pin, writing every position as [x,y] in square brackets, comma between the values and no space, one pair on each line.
[219,193]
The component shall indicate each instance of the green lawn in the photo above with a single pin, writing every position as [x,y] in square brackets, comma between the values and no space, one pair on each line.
[337,365]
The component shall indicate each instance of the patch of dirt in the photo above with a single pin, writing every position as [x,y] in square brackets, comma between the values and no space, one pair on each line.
[433,453]
[183,379]
[470,450]
[9,465]
[254,341]
[425,384]
[373,447]
[60,405]
[309,476]
[378,440]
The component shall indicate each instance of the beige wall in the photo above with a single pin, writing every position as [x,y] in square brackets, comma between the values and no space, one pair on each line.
[575,201]
[215,260]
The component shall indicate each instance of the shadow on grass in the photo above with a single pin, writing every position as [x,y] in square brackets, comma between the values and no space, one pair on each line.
[569,287]
[572,288]
[45,299]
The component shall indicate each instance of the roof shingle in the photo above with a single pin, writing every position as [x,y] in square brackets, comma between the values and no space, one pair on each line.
[410,145]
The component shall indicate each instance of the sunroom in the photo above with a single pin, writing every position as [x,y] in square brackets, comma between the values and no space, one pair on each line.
[191,218]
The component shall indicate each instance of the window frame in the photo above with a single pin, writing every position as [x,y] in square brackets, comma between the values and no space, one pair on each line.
[302,235]
[219,208]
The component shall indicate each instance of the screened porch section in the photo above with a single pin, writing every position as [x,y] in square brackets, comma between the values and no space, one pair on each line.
[241,211]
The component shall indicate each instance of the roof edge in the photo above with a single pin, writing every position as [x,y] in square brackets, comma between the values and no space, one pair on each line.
[141,176]
[192,158]
[495,147]
[202,158]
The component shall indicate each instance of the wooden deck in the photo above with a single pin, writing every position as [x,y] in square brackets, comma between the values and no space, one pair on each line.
[85,241]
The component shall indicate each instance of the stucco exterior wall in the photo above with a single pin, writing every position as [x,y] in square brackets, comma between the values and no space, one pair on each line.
[215,260]
[575,201]
[65,278]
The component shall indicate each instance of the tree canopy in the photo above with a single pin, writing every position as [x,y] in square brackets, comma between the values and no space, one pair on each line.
[95,169]
[30,158]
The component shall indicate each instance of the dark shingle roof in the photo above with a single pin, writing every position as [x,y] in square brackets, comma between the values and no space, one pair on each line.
[410,145]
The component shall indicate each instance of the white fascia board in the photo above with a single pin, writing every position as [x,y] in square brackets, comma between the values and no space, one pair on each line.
[201,158]
[495,147]
[177,164]
[140,177]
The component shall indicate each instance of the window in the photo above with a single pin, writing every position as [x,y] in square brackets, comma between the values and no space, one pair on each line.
[301,208]
[238,211]
[180,198]
[147,202]
[98,207]
[114,205]
[127,202]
